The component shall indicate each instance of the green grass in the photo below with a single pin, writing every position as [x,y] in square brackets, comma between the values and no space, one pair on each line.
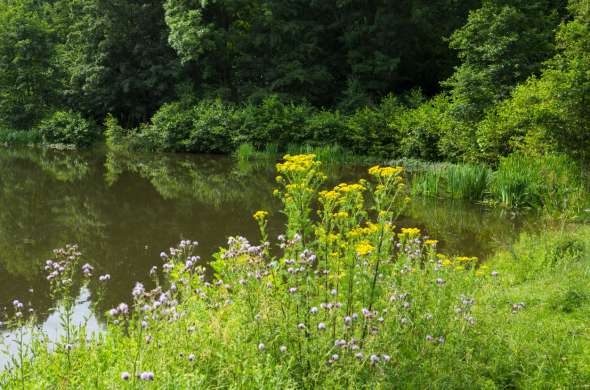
[456,181]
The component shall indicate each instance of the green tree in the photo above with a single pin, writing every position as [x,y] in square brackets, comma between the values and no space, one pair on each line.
[550,112]
[116,57]
[27,71]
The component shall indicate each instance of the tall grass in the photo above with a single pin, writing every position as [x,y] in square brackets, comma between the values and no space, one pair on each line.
[456,181]
[551,182]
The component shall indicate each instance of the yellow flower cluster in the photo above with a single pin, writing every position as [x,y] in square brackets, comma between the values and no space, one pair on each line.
[345,188]
[341,214]
[364,247]
[385,171]
[362,231]
[297,163]
[410,231]
[260,215]
[431,242]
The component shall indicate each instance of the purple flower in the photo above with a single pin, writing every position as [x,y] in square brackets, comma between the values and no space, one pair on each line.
[321,326]
[283,348]
[359,355]
[347,320]
[440,281]
[301,326]
[293,290]
[374,359]
[125,375]
[313,310]
[261,347]
[123,308]
[335,357]
[191,357]
[146,376]
[386,358]
[87,269]
[495,273]
[138,290]
[163,255]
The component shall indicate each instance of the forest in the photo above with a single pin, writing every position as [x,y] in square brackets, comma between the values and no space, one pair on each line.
[432,80]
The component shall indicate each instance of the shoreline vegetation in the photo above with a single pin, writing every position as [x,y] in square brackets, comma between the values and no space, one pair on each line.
[350,300]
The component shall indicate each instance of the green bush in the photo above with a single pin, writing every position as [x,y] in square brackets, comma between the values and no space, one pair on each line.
[68,128]
[369,131]
[19,137]
[272,122]
[212,128]
[170,127]
[422,128]
[325,127]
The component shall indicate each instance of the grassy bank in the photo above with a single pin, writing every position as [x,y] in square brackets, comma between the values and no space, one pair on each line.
[349,300]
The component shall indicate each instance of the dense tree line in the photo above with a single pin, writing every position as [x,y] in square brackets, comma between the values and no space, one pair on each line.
[441,79]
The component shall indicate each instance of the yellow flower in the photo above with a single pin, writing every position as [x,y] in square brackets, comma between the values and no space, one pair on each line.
[459,268]
[385,171]
[260,215]
[446,262]
[364,247]
[329,195]
[479,273]
[341,214]
[431,242]
[297,163]
[411,231]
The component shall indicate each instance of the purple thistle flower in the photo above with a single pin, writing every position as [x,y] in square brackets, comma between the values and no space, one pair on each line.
[138,290]
[494,273]
[359,355]
[386,358]
[123,308]
[125,375]
[293,290]
[335,357]
[163,255]
[321,326]
[313,310]
[261,347]
[374,359]
[301,326]
[191,357]
[146,376]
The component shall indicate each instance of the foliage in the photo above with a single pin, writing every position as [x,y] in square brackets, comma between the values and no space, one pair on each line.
[550,181]
[550,112]
[67,127]
[456,181]
[27,73]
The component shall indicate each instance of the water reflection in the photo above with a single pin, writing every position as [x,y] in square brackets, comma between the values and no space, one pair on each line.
[123,209]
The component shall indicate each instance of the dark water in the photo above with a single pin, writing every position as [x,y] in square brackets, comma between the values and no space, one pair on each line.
[124,209]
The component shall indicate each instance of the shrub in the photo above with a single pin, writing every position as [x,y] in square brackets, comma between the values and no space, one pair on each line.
[369,129]
[69,128]
[422,128]
[272,122]
[325,127]
[170,127]
[212,128]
